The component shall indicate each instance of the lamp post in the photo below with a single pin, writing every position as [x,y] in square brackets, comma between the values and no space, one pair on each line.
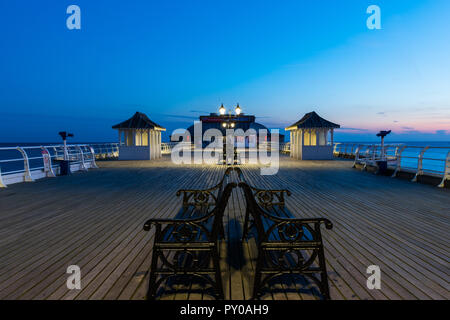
[238,110]
[228,124]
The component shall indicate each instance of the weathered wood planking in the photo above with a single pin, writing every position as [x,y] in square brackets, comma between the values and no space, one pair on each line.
[95,219]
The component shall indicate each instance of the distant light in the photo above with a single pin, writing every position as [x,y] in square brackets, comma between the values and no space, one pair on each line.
[232,124]
[222,110]
[238,109]
[224,124]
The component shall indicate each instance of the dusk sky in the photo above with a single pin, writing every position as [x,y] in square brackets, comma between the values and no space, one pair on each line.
[176,60]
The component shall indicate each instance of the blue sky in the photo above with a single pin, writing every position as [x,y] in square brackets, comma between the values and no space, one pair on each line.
[175,60]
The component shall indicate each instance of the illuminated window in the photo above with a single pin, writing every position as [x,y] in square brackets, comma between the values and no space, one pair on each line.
[313,138]
[144,138]
[306,138]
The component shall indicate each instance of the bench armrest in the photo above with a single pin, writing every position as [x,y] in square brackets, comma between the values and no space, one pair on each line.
[274,191]
[148,224]
[194,191]
[202,196]
[328,224]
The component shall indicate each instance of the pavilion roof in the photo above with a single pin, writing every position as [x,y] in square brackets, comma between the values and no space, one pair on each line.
[139,121]
[312,120]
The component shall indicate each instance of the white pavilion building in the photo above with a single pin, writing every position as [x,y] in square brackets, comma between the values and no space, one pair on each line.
[139,138]
[309,138]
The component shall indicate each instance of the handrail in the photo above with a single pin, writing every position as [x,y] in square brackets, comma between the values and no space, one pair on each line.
[399,161]
[81,157]
[27,176]
[166,147]
[420,164]
[419,160]
[83,165]
[447,171]
[2,184]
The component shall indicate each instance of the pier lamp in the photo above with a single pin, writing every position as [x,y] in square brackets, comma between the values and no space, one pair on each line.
[238,110]
[228,125]
[222,110]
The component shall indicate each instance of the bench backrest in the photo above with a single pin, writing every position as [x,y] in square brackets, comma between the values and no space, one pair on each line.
[206,197]
[264,197]
[219,209]
[272,228]
[201,228]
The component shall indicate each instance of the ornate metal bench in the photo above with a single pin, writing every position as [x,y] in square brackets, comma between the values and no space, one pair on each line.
[187,245]
[286,245]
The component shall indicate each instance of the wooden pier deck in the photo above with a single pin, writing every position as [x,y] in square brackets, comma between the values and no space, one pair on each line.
[94,220]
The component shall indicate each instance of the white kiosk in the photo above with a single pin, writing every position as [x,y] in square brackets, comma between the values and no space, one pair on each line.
[139,138]
[309,138]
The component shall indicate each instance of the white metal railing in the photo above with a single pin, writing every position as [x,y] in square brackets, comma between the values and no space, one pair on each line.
[105,150]
[166,147]
[28,163]
[285,147]
[398,156]
[419,160]
[370,154]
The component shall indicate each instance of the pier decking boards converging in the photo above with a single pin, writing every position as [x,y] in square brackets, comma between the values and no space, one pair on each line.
[94,220]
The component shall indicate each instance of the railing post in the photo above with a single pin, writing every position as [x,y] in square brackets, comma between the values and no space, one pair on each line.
[446,171]
[26,166]
[46,157]
[356,156]
[2,184]
[399,161]
[83,165]
[396,152]
[116,154]
[94,164]
[420,164]
[369,148]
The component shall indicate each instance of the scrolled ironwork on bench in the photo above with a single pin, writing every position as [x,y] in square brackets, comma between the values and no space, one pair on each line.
[205,197]
[286,245]
[187,246]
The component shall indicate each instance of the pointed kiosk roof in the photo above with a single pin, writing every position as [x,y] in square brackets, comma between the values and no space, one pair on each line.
[139,121]
[312,120]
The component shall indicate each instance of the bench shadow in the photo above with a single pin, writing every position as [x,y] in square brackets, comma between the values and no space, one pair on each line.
[235,251]
[185,284]
[290,283]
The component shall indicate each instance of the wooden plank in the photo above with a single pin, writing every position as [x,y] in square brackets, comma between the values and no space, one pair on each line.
[95,219]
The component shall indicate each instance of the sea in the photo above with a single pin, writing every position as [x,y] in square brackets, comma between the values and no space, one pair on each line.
[434,160]
[408,143]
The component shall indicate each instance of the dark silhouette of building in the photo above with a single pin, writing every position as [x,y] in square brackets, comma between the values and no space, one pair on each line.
[235,122]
